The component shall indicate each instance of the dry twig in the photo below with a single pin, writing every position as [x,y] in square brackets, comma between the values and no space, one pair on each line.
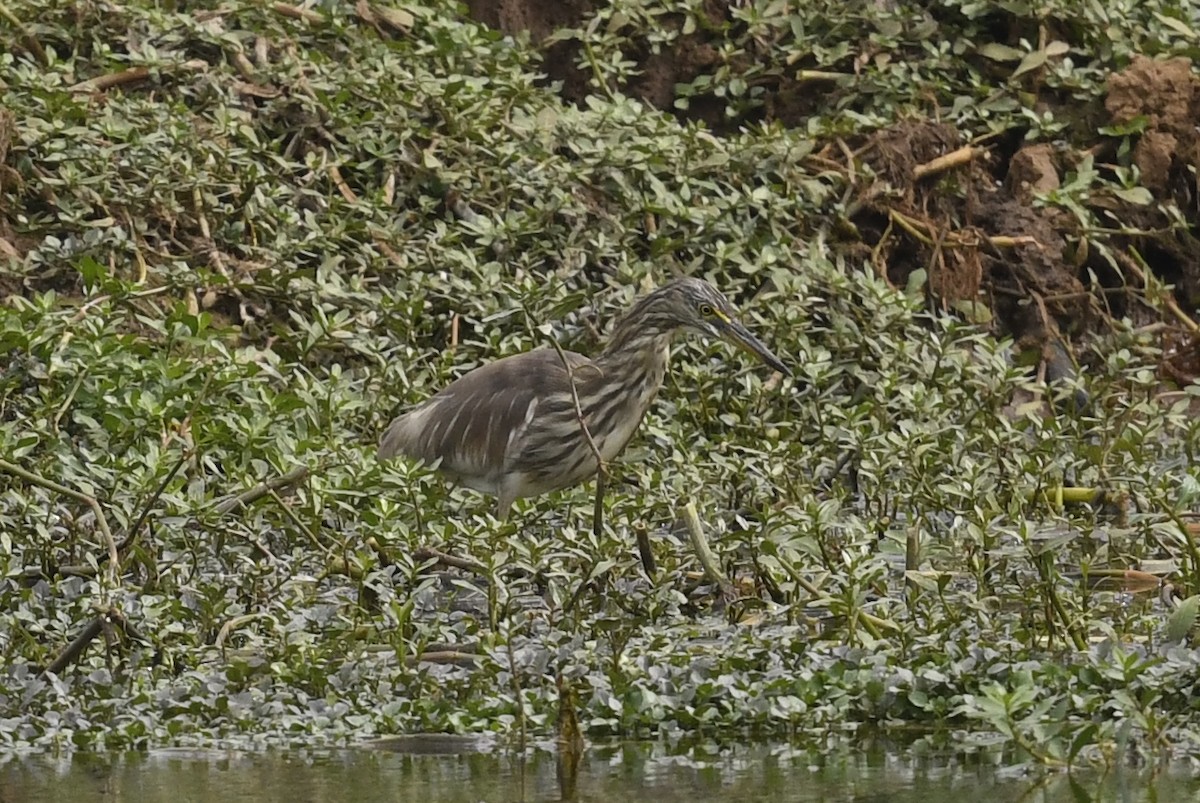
[296,12]
[949,161]
[425,553]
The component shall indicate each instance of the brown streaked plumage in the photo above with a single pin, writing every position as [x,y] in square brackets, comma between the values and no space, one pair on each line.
[510,428]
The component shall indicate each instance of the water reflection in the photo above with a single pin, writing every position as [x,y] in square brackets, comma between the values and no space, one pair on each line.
[454,771]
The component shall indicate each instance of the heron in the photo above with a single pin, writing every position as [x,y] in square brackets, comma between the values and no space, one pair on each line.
[547,419]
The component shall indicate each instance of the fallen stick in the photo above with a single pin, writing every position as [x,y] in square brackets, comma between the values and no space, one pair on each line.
[949,161]
[704,554]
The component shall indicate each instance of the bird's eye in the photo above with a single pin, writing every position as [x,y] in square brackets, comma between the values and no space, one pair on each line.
[705,310]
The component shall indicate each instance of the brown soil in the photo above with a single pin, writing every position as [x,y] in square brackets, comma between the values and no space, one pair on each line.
[1031,170]
[1167,94]
[975,228]
[540,18]
[660,70]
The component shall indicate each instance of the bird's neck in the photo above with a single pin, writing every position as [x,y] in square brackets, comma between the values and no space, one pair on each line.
[642,336]
[635,351]
[633,364]
[632,367]
[629,373]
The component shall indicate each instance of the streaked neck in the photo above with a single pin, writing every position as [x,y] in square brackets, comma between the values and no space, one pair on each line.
[635,348]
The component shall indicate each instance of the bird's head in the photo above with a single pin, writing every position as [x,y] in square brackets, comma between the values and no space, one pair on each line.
[692,303]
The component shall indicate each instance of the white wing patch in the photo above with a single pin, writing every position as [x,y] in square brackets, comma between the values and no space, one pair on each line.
[518,431]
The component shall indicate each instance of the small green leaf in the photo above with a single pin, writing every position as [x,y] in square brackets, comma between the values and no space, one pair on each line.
[1031,62]
[1134,195]
[998,52]
[1086,736]
[973,310]
[915,286]
[91,271]
[1176,25]
[1135,125]
[1181,620]
[925,580]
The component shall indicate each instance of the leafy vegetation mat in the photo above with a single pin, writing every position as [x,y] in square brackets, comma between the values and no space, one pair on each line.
[238,237]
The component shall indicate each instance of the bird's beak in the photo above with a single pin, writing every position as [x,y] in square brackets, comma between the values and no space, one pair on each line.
[733,331]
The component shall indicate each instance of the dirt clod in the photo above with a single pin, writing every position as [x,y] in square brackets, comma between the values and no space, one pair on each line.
[1153,156]
[1032,170]
[896,151]
[1167,94]
[1162,91]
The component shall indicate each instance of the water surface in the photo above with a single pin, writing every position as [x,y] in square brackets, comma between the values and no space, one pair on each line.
[626,772]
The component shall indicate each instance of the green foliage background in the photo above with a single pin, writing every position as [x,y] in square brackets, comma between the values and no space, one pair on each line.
[248,261]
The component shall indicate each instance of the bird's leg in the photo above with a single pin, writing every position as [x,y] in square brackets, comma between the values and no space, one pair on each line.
[643,543]
[598,510]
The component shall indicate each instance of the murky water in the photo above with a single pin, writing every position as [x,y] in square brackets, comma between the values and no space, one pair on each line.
[625,773]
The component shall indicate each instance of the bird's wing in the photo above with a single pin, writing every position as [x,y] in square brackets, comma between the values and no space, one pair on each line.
[475,425]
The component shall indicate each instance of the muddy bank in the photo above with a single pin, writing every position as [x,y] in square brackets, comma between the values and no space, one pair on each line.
[971,215]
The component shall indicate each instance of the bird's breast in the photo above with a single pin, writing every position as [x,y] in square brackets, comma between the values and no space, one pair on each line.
[613,426]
